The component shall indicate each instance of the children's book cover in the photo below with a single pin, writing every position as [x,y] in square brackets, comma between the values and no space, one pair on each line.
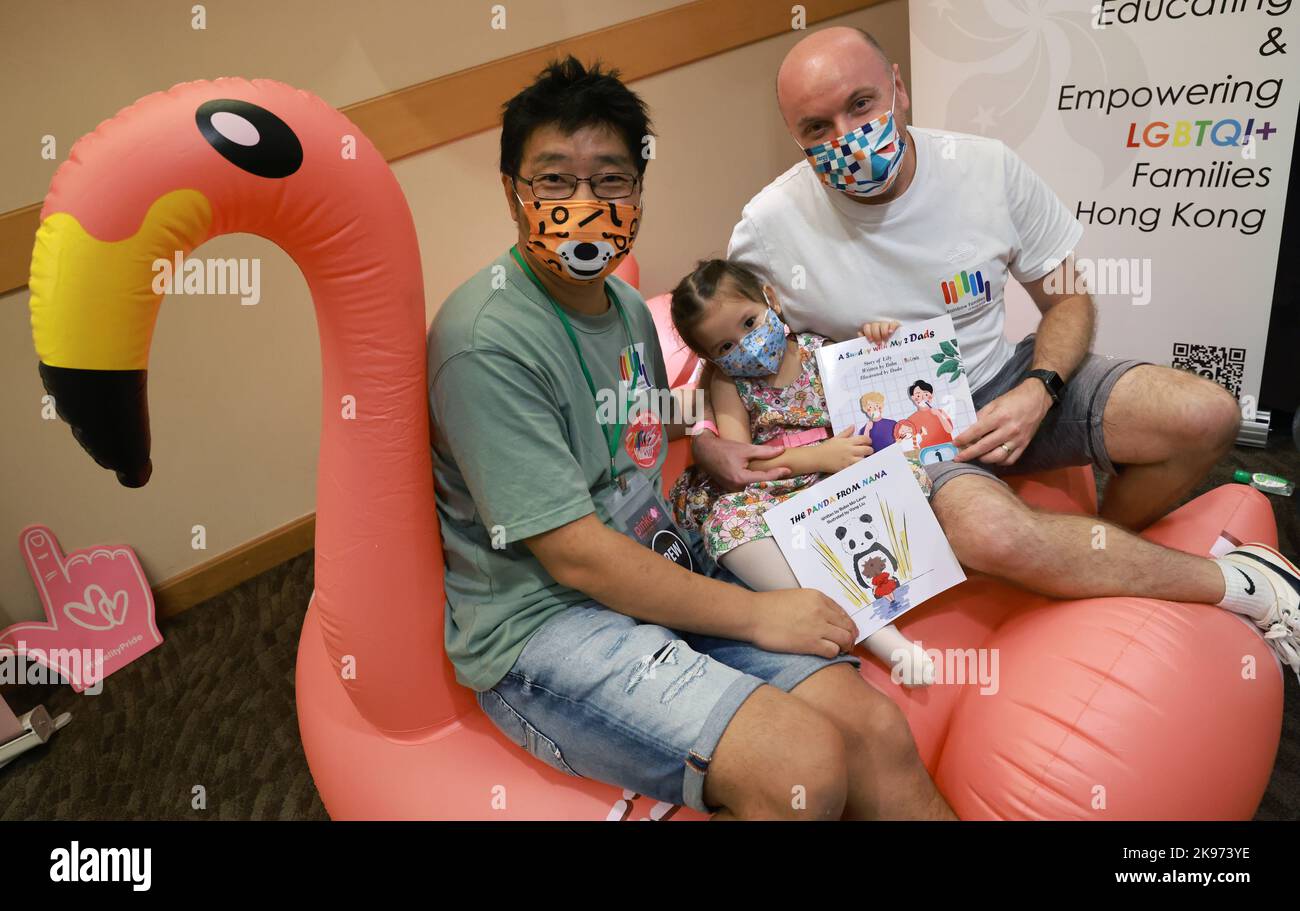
[867,537]
[912,391]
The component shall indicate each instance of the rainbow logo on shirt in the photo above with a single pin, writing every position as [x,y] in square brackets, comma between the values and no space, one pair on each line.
[966,287]
[631,367]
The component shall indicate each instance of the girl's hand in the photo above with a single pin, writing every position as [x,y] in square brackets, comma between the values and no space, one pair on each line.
[843,450]
[879,331]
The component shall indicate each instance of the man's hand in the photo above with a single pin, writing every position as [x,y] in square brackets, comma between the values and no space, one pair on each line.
[1011,418]
[727,461]
[801,621]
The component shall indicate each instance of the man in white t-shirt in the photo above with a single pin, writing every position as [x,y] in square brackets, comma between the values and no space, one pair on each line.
[884,222]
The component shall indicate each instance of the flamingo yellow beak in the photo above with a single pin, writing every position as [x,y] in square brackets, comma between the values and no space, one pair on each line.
[94,304]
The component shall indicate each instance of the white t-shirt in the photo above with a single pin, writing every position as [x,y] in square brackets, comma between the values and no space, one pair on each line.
[973,212]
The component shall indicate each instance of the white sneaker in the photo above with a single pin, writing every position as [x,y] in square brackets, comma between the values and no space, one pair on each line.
[1282,625]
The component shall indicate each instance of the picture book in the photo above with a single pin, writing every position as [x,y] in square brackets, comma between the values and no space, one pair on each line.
[912,391]
[866,536]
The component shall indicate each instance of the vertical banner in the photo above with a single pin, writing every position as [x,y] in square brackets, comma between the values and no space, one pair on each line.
[1166,127]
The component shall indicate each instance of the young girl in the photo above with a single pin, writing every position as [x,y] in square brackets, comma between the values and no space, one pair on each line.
[766,390]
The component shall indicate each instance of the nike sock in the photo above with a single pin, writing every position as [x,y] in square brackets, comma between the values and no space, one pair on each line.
[1247,590]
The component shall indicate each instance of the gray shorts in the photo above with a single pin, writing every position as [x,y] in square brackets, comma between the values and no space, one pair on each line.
[1071,433]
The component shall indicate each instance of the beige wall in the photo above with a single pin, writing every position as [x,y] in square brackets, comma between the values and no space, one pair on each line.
[234,391]
[110,54]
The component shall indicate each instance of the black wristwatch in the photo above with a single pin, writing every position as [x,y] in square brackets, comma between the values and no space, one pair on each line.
[1052,380]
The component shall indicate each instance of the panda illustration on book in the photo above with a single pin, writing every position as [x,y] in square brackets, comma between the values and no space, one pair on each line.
[868,555]
[861,544]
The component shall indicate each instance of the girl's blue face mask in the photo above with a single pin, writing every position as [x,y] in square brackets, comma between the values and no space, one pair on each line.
[759,352]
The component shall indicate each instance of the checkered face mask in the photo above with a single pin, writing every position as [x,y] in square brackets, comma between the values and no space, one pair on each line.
[863,162]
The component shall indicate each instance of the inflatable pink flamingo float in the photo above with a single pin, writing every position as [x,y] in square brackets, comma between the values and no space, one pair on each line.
[1111,708]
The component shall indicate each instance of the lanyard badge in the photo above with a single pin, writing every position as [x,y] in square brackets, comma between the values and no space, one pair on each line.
[636,509]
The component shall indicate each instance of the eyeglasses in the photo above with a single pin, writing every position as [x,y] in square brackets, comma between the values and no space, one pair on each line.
[562,186]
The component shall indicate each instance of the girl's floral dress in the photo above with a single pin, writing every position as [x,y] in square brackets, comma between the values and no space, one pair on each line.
[728,519]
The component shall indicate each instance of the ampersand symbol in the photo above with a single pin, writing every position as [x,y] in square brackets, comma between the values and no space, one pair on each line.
[1272,46]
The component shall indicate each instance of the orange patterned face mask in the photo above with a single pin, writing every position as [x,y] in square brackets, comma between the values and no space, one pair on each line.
[580,240]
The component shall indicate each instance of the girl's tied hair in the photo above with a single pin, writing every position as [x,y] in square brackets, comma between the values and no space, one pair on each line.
[693,294]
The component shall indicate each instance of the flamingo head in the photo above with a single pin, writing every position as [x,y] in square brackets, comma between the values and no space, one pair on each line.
[145,188]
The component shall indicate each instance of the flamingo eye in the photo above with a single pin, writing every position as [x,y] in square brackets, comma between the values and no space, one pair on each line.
[249,137]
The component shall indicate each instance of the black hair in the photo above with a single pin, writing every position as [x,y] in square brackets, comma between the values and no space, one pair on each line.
[572,96]
[692,295]
[924,386]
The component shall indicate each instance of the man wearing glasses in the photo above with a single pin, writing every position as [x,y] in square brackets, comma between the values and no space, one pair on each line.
[586,623]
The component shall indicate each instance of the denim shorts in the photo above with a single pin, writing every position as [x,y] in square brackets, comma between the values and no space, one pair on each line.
[1071,433]
[599,695]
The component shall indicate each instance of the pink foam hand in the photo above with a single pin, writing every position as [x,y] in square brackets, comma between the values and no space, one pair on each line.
[98,607]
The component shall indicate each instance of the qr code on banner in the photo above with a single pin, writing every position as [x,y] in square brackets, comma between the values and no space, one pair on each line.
[1222,365]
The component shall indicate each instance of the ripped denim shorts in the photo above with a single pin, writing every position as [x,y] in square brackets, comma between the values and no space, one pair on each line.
[597,694]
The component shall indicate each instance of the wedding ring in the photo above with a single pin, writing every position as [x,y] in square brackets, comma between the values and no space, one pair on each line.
[1006,448]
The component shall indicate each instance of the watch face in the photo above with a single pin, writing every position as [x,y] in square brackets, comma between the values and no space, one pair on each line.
[1051,380]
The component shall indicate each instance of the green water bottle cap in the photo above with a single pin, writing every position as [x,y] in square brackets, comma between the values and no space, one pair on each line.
[1241,476]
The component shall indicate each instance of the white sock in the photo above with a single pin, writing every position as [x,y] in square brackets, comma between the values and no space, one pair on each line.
[1248,591]
[1222,545]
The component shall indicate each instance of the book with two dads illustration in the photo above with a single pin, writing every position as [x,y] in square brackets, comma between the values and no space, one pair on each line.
[866,536]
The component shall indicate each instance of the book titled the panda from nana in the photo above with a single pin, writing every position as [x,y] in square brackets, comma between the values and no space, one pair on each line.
[867,537]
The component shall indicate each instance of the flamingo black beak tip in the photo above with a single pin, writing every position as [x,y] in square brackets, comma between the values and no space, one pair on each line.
[108,413]
[135,477]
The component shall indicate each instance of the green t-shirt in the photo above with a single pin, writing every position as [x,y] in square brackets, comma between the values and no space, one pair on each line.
[517,449]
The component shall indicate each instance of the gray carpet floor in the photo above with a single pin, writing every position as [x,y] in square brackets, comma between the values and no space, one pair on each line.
[212,708]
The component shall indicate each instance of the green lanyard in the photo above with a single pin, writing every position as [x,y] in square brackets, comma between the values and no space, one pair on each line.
[612,435]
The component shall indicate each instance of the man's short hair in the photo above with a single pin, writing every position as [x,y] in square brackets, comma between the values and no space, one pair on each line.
[571,96]
[921,384]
